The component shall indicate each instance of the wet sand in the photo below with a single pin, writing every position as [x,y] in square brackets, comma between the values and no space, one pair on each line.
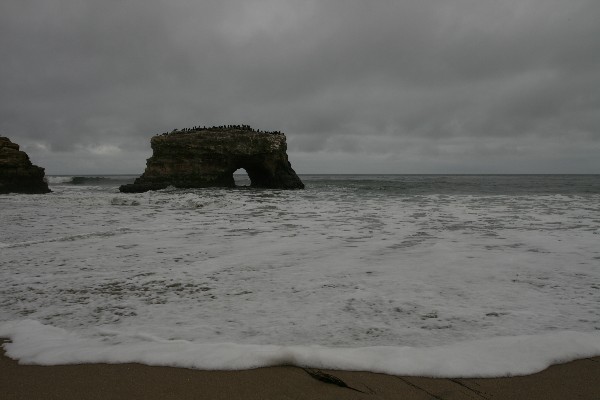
[575,380]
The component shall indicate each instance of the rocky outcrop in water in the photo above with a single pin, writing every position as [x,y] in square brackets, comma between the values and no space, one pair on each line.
[208,157]
[17,173]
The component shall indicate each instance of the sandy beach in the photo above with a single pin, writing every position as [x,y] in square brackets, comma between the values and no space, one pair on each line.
[573,380]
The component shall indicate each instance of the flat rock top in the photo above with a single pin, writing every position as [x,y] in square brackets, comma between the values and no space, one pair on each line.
[231,141]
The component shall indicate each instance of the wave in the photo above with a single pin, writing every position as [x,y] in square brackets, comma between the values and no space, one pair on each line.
[57,180]
[69,238]
[81,180]
[172,198]
[35,343]
[90,180]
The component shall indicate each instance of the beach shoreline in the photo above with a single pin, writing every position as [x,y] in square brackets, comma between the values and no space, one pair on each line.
[572,380]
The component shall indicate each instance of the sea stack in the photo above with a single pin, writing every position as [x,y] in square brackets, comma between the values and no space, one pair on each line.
[17,173]
[208,157]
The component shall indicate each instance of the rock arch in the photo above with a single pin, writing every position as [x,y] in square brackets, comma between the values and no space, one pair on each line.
[209,157]
[241,177]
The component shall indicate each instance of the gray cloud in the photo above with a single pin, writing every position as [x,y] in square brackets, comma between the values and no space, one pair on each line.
[413,86]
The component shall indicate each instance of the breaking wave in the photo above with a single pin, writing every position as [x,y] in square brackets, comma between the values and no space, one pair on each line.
[90,180]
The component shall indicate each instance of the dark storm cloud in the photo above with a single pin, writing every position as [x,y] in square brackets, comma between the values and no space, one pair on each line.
[385,86]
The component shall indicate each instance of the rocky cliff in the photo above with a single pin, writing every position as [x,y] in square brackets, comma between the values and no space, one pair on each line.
[17,173]
[208,157]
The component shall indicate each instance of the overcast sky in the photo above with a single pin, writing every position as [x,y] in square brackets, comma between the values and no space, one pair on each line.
[382,86]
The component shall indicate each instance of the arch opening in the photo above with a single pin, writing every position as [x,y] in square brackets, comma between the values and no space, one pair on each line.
[241,178]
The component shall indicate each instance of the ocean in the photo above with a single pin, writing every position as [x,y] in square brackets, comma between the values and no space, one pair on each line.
[437,275]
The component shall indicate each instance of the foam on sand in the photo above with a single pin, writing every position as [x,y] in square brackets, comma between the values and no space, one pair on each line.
[35,343]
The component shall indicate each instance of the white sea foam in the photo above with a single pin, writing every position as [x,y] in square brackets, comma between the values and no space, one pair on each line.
[34,343]
[56,180]
[316,276]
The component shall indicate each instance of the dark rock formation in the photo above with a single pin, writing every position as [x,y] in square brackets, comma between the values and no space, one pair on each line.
[208,157]
[17,173]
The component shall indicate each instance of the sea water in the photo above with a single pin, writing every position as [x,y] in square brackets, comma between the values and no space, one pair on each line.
[403,274]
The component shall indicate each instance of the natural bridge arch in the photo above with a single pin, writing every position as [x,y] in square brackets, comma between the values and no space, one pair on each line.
[241,178]
[209,157]
[258,175]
